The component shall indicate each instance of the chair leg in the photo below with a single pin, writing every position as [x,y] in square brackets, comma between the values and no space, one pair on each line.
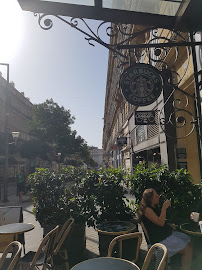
[66,257]
[44,267]
[168,264]
[65,264]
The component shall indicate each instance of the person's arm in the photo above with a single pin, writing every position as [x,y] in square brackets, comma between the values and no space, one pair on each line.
[160,221]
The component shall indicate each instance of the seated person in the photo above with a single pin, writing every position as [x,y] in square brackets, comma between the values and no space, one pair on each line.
[154,220]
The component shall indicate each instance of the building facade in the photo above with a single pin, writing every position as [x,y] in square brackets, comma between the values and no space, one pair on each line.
[15,113]
[173,139]
[97,155]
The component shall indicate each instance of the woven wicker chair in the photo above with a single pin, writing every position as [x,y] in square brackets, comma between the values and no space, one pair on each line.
[122,241]
[14,248]
[157,254]
[32,260]
[60,256]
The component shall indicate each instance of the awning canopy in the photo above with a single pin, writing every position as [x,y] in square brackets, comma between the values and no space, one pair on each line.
[184,15]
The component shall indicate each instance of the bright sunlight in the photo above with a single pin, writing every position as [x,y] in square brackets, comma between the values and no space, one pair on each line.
[10,29]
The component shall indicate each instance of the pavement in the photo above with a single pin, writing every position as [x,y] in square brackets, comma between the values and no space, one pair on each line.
[34,237]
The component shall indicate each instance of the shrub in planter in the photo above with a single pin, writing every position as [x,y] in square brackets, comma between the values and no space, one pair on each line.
[176,186]
[107,187]
[55,200]
[110,196]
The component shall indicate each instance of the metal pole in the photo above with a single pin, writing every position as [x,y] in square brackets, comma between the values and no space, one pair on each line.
[131,153]
[5,195]
[198,102]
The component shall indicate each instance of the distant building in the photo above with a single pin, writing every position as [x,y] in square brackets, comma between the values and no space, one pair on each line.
[15,113]
[97,155]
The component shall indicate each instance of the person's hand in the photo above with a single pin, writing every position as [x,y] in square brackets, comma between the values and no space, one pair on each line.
[166,204]
[173,226]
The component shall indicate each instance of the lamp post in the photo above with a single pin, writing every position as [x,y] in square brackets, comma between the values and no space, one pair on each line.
[5,196]
[15,135]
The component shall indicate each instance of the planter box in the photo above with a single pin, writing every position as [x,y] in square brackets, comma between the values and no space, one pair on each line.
[75,243]
[109,230]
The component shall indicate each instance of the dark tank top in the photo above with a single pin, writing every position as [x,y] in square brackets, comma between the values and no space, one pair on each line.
[156,233]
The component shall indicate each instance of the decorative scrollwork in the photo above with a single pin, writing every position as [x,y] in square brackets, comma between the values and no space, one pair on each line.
[119,37]
[44,21]
[180,118]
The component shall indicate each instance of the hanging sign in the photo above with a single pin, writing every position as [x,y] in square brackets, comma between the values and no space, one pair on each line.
[145,118]
[121,141]
[141,84]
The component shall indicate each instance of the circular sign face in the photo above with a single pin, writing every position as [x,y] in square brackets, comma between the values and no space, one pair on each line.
[141,84]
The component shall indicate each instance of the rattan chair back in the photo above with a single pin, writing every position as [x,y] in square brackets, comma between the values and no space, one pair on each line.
[64,232]
[157,255]
[44,252]
[14,248]
[119,240]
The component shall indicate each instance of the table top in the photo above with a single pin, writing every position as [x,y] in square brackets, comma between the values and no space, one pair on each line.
[191,228]
[106,263]
[16,228]
[116,227]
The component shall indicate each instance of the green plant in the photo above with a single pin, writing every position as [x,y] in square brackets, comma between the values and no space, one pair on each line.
[72,175]
[56,198]
[107,187]
[176,186]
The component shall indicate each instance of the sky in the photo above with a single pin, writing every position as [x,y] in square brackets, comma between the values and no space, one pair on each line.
[57,63]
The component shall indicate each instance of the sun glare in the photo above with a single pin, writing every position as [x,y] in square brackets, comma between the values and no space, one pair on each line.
[10,29]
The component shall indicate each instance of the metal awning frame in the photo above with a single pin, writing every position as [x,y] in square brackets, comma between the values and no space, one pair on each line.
[120,20]
[97,12]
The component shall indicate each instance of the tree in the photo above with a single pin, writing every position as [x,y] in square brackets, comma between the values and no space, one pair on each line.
[51,128]
[35,148]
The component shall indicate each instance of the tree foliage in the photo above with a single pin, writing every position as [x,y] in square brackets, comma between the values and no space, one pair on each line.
[52,133]
[36,148]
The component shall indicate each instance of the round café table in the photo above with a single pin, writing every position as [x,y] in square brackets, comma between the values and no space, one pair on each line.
[193,230]
[16,228]
[106,263]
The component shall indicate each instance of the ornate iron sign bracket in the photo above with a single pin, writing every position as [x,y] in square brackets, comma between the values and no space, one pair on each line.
[134,44]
